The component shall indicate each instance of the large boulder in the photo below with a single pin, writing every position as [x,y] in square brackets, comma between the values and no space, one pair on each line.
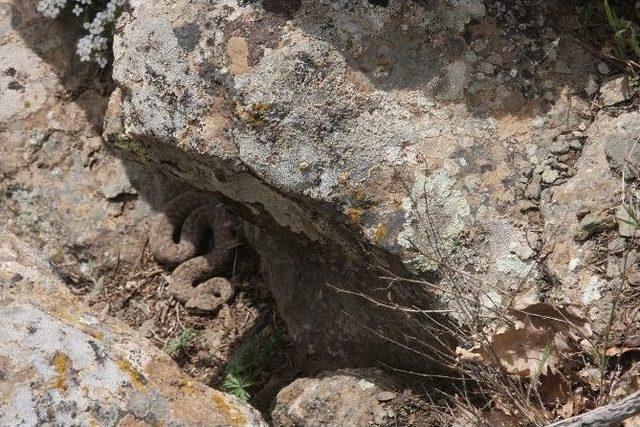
[361,141]
[62,364]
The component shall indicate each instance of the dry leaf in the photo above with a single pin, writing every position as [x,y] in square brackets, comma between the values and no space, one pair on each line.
[591,376]
[522,350]
[554,388]
[472,355]
[544,315]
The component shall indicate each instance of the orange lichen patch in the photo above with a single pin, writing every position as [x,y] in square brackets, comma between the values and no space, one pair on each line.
[360,195]
[256,114]
[94,333]
[355,215]
[131,421]
[214,124]
[136,378]
[232,416]
[62,364]
[238,52]
[187,387]
[380,232]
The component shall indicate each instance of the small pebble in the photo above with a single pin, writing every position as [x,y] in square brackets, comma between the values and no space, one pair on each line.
[550,175]
[603,68]
[576,144]
[617,245]
[385,396]
[560,147]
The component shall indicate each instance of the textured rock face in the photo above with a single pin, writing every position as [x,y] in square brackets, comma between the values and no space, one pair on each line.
[64,365]
[358,136]
[336,399]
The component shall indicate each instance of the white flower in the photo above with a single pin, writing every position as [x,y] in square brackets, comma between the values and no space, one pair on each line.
[93,45]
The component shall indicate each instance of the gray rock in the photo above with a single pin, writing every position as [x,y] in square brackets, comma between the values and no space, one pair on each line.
[62,364]
[604,68]
[534,188]
[620,139]
[385,396]
[617,245]
[348,398]
[594,223]
[338,134]
[614,91]
[626,227]
[576,144]
[561,146]
[118,184]
[549,175]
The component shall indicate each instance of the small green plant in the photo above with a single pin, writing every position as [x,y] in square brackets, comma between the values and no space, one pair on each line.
[249,361]
[626,38]
[238,386]
[186,339]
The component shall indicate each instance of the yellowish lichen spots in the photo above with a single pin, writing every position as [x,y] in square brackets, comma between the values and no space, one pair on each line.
[96,334]
[187,387]
[380,232]
[232,415]
[360,195]
[355,215]
[136,378]
[127,143]
[256,114]
[61,364]
[238,52]
[344,178]
[93,332]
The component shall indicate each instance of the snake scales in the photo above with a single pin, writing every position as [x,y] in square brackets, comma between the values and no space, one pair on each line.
[195,234]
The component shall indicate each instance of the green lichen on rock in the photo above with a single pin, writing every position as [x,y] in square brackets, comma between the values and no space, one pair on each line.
[127,143]
[435,217]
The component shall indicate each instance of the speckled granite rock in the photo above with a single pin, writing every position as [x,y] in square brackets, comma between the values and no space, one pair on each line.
[346,398]
[63,364]
[355,136]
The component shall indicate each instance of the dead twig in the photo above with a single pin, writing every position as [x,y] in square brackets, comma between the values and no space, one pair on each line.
[607,415]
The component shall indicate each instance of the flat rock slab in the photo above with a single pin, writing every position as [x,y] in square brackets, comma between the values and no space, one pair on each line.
[60,363]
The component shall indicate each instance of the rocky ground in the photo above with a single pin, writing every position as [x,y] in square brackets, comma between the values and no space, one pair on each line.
[487,151]
[65,194]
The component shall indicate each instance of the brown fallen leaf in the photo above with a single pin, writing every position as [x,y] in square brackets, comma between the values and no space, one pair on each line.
[554,388]
[521,349]
[543,315]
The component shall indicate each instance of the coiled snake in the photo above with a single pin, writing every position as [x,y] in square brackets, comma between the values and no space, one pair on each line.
[195,234]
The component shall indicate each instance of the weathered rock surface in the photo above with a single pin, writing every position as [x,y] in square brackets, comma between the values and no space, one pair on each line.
[357,136]
[60,190]
[62,364]
[349,398]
